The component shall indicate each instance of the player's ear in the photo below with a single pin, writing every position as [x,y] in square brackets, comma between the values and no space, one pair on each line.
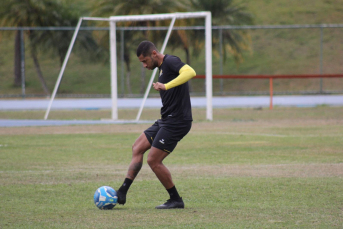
[154,53]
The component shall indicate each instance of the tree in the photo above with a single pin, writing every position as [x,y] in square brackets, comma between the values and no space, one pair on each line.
[105,8]
[28,13]
[41,13]
[225,12]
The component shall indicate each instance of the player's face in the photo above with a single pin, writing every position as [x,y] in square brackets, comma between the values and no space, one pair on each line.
[149,62]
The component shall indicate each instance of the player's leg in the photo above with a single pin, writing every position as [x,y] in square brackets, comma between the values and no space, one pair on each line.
[155,158]
[155,161]
[140,146]
[163,144]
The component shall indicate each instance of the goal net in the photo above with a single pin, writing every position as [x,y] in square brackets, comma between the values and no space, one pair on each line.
[113,56]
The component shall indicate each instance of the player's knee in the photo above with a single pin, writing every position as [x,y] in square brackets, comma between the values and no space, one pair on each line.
[152,162]
[136,149]
[140,146]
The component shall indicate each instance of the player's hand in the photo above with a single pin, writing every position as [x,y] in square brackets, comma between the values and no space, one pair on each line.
[159,86]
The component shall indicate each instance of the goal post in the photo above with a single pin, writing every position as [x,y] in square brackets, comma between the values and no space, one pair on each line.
[113,55]
[172,16]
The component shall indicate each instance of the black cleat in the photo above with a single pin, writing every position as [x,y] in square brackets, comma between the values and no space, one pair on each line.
[170,204]
[121,197]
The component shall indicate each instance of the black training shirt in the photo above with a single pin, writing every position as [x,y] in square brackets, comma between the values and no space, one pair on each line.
[176,101]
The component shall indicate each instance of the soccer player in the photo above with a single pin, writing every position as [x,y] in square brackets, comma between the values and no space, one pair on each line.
[176,121]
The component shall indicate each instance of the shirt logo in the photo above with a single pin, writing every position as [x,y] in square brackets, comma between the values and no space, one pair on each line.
[161,73]
[162,141]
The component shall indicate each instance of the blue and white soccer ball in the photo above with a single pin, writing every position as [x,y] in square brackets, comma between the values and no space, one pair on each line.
[105,197]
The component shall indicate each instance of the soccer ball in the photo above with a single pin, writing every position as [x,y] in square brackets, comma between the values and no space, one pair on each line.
[105,197]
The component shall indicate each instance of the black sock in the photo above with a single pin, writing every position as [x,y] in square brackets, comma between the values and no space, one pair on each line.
[173,193]
[126,185]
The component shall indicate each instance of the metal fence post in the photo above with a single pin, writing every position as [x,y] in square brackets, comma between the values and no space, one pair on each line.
[321,60]
[271,93]
[221,59]
[22,63]
[122,62]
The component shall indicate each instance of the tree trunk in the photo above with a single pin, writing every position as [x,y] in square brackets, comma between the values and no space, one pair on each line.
[142,91]
[128,73]
[128,84]
[188,59]
[39,72]
[17,60]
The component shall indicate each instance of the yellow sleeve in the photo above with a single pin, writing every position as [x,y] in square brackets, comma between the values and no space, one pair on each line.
[186,73]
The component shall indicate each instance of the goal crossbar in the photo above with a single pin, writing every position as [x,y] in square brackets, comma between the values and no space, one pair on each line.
[150,17]
[113,54]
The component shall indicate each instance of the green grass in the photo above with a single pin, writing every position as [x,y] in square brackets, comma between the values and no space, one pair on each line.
[294,12]
[237,203]
[249,169]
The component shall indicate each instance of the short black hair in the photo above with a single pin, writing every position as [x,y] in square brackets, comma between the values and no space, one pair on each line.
[145,48]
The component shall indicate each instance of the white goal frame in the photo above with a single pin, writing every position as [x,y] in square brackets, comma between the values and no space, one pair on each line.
[113,55]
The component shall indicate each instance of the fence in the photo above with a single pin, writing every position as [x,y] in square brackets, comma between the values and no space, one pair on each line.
[276,50]
[270,77]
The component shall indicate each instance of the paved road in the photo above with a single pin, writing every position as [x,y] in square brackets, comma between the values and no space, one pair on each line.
[231,101]
[31,122]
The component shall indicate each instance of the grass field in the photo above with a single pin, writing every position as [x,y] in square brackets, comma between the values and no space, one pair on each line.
[248,169]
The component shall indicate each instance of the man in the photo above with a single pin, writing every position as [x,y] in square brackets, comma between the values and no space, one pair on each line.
[176,121]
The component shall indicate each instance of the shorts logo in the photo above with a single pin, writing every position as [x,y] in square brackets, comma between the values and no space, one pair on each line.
[162,141]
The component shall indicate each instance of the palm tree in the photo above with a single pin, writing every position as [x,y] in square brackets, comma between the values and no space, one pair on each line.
[28,13]
[42,13]
[105,8]
[224,12]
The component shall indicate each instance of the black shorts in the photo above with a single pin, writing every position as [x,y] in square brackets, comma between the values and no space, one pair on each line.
[165,135]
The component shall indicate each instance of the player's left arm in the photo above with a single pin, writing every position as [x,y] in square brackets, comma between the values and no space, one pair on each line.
[185,73]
